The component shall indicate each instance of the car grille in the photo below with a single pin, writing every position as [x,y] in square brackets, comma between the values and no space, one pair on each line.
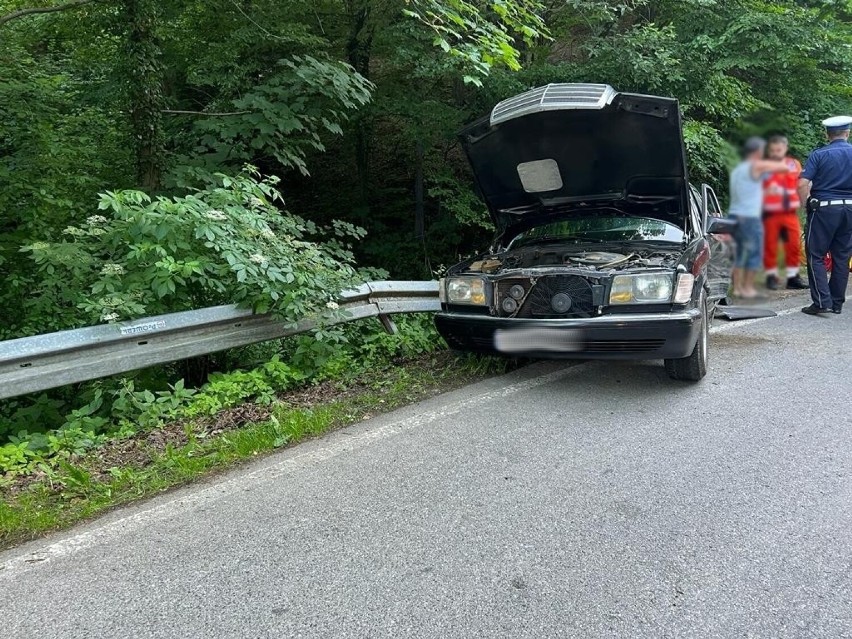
[552,296]
[553,96]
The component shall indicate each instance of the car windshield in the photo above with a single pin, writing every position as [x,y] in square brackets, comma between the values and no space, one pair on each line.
[601,229]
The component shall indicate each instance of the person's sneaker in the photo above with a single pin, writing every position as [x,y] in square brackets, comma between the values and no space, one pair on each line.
[837,309]
[772,282]
[796,283]
[813,309]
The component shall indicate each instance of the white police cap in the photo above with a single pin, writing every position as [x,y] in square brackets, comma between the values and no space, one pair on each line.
[838,122]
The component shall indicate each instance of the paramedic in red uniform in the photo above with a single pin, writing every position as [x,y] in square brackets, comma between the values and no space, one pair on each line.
[781,218]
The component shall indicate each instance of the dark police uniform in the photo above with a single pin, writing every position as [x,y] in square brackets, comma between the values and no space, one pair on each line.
[829,225]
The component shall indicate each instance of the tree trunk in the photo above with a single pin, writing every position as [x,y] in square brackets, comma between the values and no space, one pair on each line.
[358,51]
[419,205]
[145,73]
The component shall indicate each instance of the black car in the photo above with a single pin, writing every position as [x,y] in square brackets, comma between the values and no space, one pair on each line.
[603,248]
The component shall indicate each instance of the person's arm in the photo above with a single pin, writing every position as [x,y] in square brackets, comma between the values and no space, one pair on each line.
[806,177]
[795,167]
[759,167]
[804,189]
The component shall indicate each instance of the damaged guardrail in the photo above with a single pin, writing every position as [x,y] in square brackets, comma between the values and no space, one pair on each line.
[41,362]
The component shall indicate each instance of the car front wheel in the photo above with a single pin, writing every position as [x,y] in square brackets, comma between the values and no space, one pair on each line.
[693,367]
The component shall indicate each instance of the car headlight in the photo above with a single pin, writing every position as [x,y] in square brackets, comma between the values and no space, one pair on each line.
[466,290]
[646,288]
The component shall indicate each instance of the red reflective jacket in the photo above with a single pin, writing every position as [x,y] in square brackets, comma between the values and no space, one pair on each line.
[779,189]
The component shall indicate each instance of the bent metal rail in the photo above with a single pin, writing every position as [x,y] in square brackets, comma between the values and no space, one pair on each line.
[38,363]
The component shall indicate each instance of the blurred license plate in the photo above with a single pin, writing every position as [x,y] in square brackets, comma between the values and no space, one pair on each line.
[526,339]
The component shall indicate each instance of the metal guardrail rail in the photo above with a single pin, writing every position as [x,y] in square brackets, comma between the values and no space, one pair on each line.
[41,362]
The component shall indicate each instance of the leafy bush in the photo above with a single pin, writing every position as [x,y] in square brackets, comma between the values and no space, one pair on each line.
[223,244]
[709,155]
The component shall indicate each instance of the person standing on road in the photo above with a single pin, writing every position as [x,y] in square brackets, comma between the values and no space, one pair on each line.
[746,207]
[781,218]
[826,186]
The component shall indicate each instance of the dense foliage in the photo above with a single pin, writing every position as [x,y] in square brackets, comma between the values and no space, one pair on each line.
[126,127]
[223,244]
[354,102]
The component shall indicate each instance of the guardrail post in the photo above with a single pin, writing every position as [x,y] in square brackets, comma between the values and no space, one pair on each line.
[389,324]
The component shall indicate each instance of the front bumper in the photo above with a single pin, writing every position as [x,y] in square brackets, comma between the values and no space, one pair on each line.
[668,335]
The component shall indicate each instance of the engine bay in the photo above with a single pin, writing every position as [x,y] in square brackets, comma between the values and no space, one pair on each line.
[588,261]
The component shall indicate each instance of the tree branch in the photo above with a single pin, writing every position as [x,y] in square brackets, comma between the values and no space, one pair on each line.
[20,13]
[211,113]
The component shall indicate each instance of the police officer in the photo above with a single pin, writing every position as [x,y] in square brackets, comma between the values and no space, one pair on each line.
[826,185]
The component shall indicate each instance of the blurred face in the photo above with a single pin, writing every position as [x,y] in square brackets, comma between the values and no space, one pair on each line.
[758,154]
[777,151]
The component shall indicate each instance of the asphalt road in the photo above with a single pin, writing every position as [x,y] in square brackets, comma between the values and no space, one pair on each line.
[596,500]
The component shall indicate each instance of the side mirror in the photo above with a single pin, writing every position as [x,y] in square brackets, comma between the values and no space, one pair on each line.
[721,226]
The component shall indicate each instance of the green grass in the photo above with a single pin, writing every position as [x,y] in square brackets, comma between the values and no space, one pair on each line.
[82,490]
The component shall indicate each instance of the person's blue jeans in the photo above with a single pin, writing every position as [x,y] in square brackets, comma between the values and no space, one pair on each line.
[749,240]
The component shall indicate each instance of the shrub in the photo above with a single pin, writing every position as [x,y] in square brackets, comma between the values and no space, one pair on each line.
[228,243]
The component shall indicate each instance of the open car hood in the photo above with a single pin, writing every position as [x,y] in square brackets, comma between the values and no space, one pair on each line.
[562,149]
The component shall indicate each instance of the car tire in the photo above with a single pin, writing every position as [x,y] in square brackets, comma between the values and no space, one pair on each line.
[693,368]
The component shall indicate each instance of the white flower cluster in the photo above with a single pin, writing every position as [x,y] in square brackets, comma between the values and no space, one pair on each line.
[110,317]
[332,305]
[112,269]
[96,220]
[257,258]
[268,234]
[215,214]
[38,246]
[73,230]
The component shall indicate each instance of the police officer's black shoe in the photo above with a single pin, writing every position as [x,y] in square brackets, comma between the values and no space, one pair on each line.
[813,309]
[796,283]
[772,282]
[837,309]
